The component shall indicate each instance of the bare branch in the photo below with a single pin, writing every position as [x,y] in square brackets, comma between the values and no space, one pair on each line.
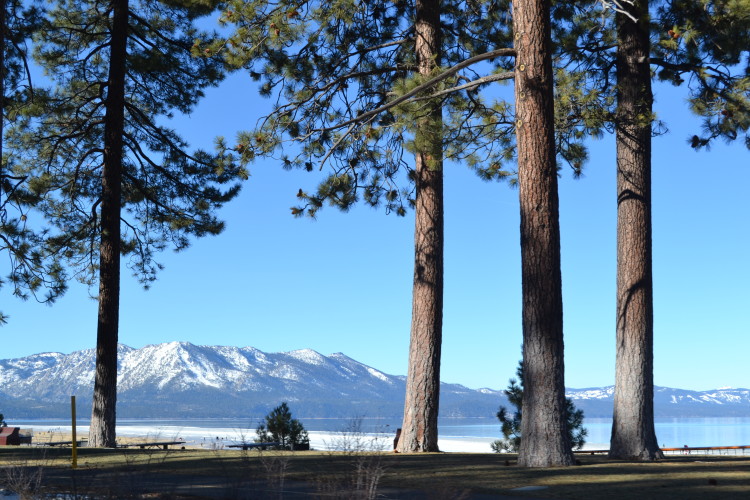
[617,6]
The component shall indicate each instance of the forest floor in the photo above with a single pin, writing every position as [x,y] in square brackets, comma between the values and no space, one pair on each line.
[236,474]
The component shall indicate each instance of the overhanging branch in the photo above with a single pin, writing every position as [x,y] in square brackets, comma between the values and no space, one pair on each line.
[508,75]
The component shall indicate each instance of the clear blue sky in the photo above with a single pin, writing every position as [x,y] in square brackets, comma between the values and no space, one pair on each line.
[342,283]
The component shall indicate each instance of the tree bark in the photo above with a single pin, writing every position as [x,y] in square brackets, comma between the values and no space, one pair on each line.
[103,414]
[633,434]
[544,440]
[3,20]
[419,429]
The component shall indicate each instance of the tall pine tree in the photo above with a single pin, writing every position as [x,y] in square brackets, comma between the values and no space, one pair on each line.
[356,84]
[692,42]
[705,42]
[633,431]
[113,180]
[421,405]
[543,424]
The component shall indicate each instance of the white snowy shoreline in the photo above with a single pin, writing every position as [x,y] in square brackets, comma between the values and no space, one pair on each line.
[222,437]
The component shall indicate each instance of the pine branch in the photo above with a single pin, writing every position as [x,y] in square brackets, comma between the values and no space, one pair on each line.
[359,74]
[156,132]
[340,140]
[470,85]
[157,32]
[691,68]
[135,147]
[429,83]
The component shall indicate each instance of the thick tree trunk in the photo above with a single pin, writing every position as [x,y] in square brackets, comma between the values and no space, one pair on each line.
[633,434]
[419,429]
[3,20]
[103,417]
[544,440]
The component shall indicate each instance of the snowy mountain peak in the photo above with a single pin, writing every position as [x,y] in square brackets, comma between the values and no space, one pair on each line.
[308,356]
[180,379]
[203,378]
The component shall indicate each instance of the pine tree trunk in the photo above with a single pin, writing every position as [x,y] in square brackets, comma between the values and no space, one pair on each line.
[544,440]
[419,429]
[103,417]
[3,20]
[633,434]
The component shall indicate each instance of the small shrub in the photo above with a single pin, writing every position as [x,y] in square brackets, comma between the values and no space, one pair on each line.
[280,427]
[511,424]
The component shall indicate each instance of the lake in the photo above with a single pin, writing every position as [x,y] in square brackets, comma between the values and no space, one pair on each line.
[456,435]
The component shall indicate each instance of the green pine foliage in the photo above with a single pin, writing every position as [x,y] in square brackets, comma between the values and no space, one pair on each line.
[511,423]
[34,271]
[346,95]
[706,45]
[699,44]
[20,20]
[169,192]
[280,427]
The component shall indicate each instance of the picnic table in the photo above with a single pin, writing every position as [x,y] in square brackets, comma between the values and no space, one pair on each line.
[685,449]
[79,442]
[248,446]
[152,444]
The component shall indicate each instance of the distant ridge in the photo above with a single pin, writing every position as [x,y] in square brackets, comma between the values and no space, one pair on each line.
[183,380]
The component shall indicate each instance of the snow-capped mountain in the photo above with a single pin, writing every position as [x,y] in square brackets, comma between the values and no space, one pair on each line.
[179,379]
[668,402]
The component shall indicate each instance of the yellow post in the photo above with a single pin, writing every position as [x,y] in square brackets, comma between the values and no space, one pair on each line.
[75,443]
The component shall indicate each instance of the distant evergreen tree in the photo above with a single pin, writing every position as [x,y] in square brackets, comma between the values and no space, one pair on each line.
[32,267]
[511,424]
[280,427]
[112,179]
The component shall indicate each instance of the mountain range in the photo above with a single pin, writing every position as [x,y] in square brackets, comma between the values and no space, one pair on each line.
[182,380]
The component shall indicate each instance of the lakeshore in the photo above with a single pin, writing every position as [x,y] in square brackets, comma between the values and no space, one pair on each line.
[197,439]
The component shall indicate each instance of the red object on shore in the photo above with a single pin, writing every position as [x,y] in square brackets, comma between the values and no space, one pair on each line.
[10,436]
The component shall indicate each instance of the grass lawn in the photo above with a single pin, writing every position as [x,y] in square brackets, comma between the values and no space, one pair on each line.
[441,475]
